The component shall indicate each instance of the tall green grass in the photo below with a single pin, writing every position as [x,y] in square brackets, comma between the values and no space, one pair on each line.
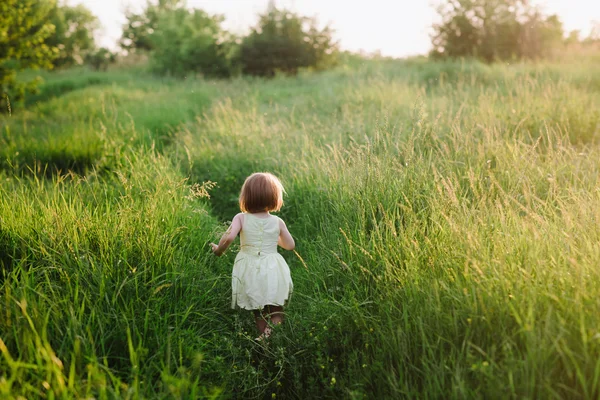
[446,218]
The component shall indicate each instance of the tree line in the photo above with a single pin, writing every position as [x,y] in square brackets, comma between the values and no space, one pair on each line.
[500,30]
[179,40]
[183,41]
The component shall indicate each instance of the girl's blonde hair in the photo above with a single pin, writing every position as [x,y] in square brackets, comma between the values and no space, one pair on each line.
[261,191]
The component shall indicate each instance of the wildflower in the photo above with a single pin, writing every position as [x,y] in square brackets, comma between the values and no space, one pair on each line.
[364,365]
[333,381]
[485,363]
[273,395]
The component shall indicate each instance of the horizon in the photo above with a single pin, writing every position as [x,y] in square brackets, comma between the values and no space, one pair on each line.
[388,30]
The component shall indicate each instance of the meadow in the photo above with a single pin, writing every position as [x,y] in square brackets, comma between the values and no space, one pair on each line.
[446,215]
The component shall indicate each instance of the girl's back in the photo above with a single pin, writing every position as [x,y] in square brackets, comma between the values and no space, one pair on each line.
[259,234]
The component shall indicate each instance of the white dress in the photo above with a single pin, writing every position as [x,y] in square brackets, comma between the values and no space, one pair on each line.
[260,275]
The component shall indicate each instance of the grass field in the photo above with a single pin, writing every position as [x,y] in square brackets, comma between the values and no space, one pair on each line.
[446,215]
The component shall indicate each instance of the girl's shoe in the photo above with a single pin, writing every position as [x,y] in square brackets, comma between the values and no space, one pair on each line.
[265,335]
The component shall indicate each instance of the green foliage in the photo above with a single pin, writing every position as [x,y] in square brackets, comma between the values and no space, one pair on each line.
[184,41]
[284,41]
[137,33]
[495,30]
[100,59]
[24,28]
[188,42]
[181,41]
[74,29]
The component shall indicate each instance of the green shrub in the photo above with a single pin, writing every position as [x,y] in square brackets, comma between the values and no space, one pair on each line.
[74,29]
[284,41]
[24,27]
[495,30]
[138,31]
[188,42]
[101,59]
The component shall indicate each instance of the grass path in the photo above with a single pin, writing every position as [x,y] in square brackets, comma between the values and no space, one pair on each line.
[447,214]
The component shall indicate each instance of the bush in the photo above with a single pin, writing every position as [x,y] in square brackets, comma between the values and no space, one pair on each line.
[284,41]
[101,59]
[190,42]
[138,31]
[73,35]
[23,29]
[494,30]
[183,41]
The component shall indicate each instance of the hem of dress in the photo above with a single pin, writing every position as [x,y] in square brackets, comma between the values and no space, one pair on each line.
[286,302]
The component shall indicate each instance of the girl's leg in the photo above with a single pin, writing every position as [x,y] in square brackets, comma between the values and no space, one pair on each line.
[261,321]
[276,314]
[262,317]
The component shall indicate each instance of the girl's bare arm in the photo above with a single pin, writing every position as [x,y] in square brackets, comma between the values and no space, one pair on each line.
[229,236]
[285,238]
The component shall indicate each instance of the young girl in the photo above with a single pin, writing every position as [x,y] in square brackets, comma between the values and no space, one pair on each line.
[261,278]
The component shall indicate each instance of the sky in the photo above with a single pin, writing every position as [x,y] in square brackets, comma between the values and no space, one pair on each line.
[397,28]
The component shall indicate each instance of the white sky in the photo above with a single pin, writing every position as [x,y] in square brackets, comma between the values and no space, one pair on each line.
[395,27]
